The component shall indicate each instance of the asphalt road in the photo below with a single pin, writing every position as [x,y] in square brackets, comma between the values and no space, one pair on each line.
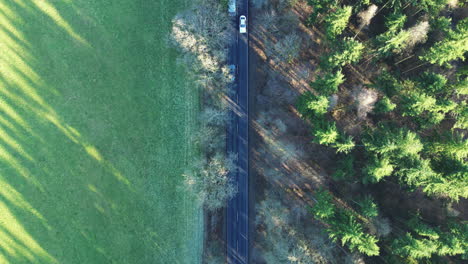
[237,233]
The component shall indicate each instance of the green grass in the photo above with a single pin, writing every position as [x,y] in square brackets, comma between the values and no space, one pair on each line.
[95,125]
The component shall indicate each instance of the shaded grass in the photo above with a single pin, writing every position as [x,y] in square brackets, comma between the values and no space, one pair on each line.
[95,125]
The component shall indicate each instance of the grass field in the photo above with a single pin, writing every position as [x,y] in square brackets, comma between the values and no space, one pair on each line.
[95,119]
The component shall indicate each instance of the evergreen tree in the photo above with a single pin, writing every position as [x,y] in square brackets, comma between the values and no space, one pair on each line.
[345,228]
[432,82]
[415,103]
[408,246]
[344,145]
[329,82]
[324,207]
[377,169]
[416,225]
[310,105]
[388,84]
[397,143]
[384,105]
[345,168]
[348,51]
[326,134]
[415,171]
[394,43]
[337,21]
[453,47]
[368,207]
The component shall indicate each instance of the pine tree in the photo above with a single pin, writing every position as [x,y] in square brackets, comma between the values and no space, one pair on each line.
[344,145]
[310,105]
[377,169]
[415,103]
[417,226]
[345,228]
[432,82]
[324,207]
[397,143]
[345,168]
[348,51]
[326,134]
[453,47]
[329,82]
[368,207]
[415,171]
[408,246]
[384,105]
[337,21]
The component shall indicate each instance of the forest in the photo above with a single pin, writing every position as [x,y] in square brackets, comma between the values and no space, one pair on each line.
[389,97]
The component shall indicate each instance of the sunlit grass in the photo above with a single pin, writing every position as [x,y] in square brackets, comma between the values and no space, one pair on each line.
[95,122]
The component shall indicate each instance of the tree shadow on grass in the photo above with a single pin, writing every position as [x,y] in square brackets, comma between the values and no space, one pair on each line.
[77,156]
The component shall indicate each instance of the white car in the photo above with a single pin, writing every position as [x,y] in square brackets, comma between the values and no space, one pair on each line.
[242,24]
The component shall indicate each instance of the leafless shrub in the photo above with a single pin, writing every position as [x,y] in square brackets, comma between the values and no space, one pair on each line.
[279,126]
[269,21]
[285,50]
[209,181]
[284,4]
[452,3]
[418,34]
[214,116]
[365,100]
[354,259]
[259,3]
[366,16]
[333,101]
[282,242]
[201,34]
[382,226]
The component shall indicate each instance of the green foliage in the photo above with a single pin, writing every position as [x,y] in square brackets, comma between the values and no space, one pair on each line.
[415,103]
[461,86]
[345,168]
[395,143]
[455,241]
[461,114]
[347,51]
[368,207]
[324,207]
[326,133]
[451,48]
[431,6]
[408,246]
[377,169]
[415,171]
[321,6]
[384,105]
[432,82]
[441,23]
[344,145]
[310,105]
[422,229]
[337,21]
[454,146]
[394,42]
[345,228]
[329,82]
[388,84]
[428,241]
[394,36]
[451,185]
[224,3]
